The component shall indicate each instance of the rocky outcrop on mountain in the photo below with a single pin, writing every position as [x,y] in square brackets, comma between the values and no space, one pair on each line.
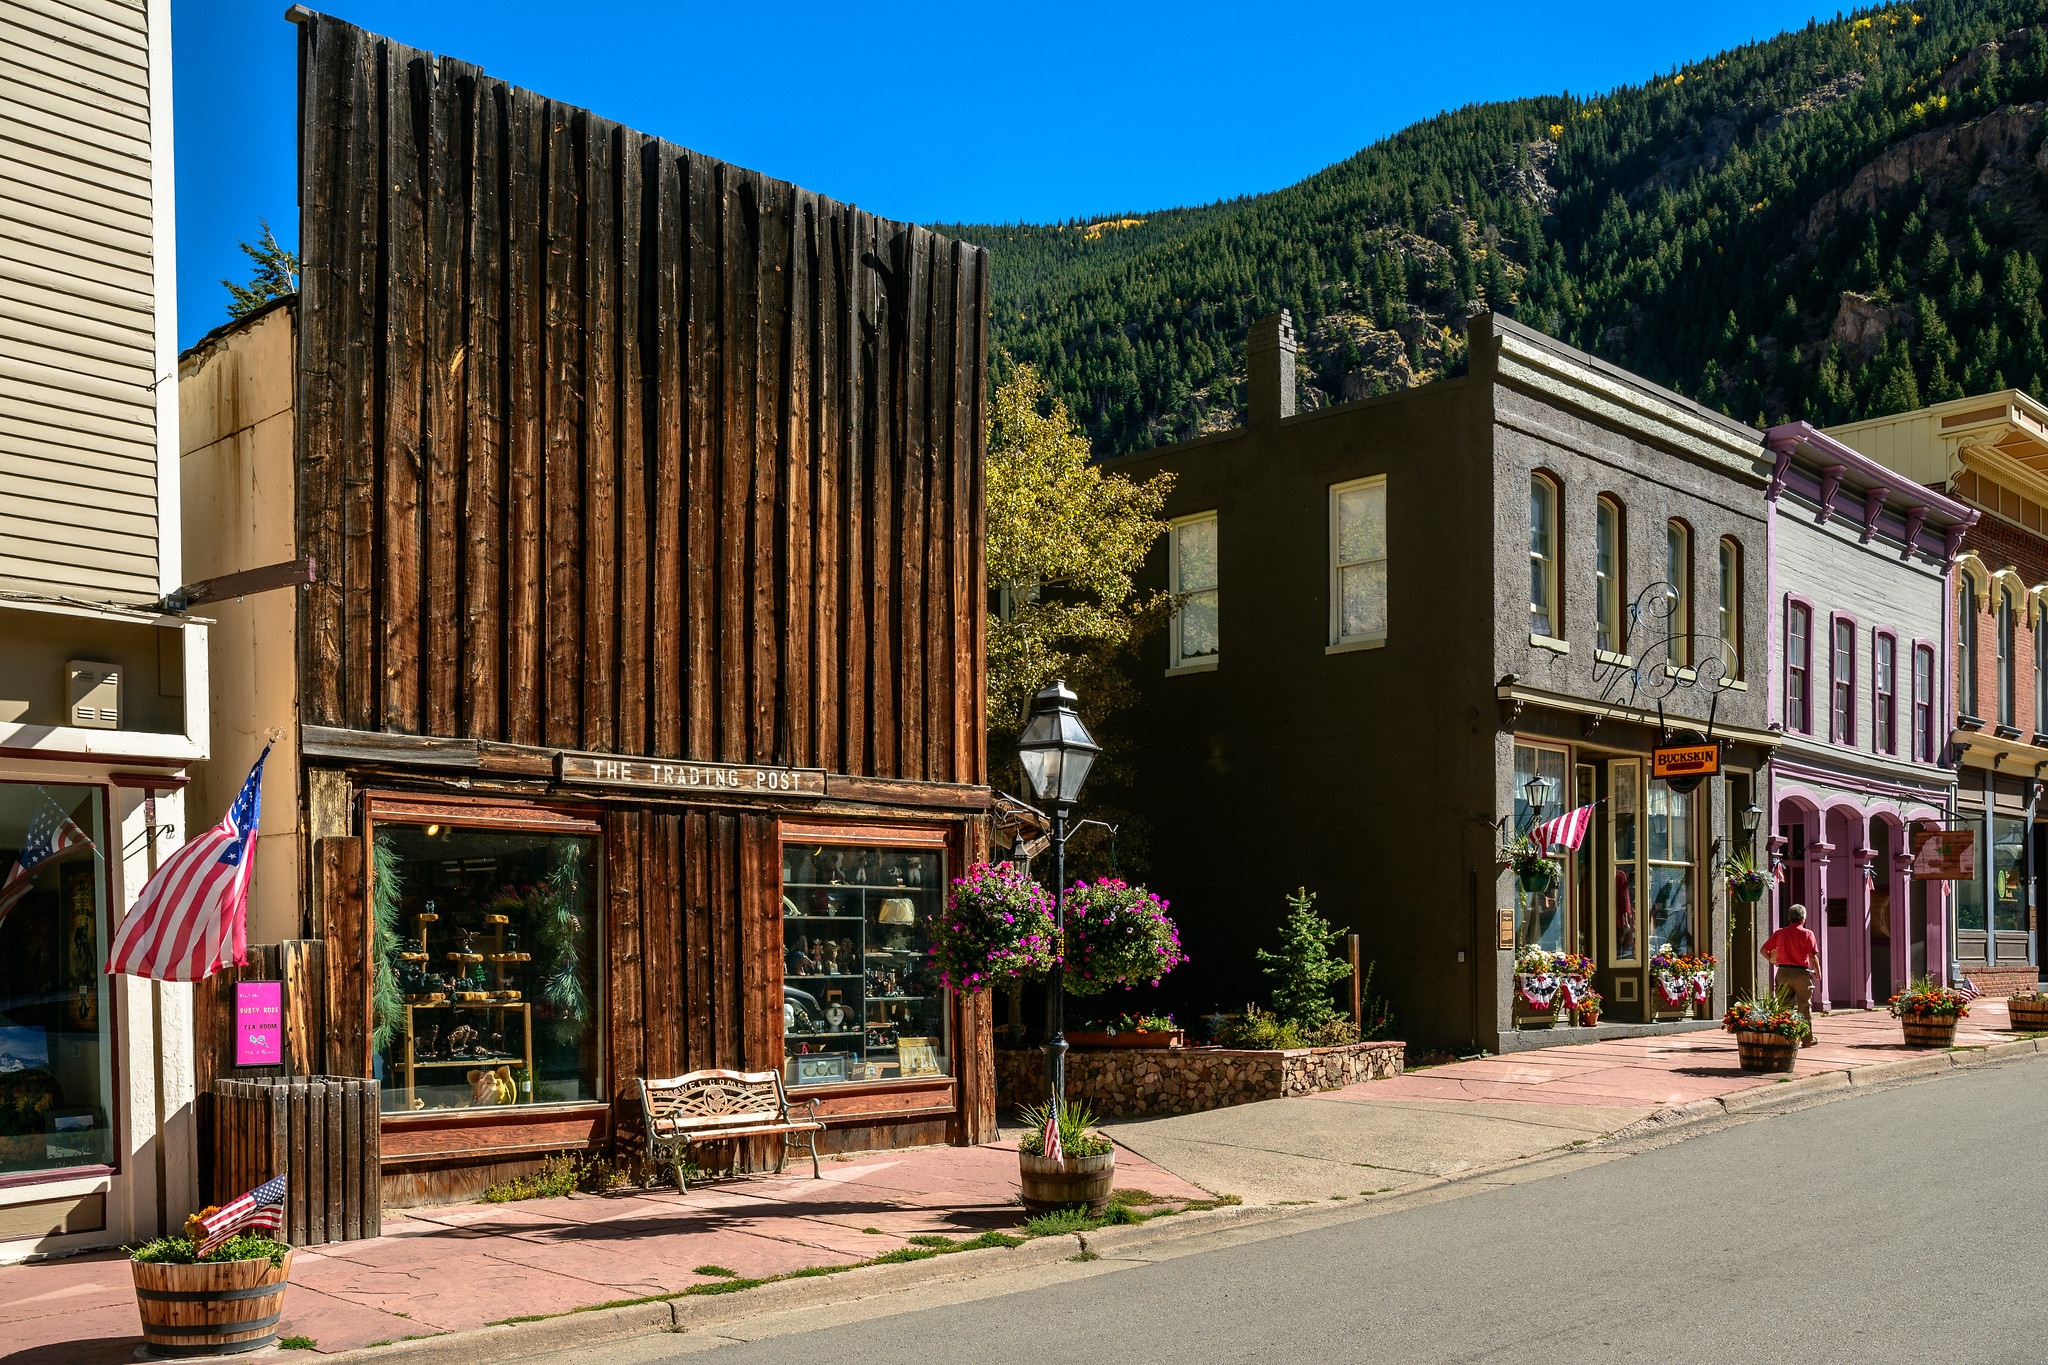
[1861,326]
[1527,178]
[1943,158]
[1817,99]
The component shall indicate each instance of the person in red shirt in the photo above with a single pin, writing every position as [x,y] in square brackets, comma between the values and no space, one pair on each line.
[1795,953]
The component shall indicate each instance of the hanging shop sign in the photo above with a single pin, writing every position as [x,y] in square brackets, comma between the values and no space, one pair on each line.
[1690,759]
[710,778]
[1944,855]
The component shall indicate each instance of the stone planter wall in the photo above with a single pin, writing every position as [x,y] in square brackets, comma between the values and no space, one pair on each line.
[1133,1082]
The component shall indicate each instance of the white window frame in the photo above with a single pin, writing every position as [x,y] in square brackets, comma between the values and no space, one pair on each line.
[1178,662]
[1607,574]
[1678,589]
[1338,641]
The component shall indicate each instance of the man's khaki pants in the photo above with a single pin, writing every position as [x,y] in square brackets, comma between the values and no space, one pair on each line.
[1798,982]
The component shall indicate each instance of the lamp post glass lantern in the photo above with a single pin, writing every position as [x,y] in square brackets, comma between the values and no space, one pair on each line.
[1056,752]
[1536,791]
[1752,817]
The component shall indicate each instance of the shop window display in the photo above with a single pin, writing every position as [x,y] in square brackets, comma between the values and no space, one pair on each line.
[860,1001]
[56,1063]
[486,987]
[1671,857]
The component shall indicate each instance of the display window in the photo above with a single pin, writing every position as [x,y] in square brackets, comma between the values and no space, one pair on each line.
[1670,849]
[56,1037]
[1541,915]
[860,1000]
[2008,874]
[487,987]
[1624,786]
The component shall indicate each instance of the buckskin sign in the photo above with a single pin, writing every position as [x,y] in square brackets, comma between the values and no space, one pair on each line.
[1944,855]
[1685,765]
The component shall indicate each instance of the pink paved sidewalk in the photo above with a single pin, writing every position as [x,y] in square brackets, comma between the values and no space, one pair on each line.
[465,1265]
[1666,1070]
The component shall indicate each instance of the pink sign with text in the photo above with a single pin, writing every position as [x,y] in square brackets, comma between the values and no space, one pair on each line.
[259,1023]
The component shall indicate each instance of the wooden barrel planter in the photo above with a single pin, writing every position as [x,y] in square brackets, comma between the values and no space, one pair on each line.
[1934,1031]
[214,1308]
[1765,1051]
[1049,1186]
[2029,1016]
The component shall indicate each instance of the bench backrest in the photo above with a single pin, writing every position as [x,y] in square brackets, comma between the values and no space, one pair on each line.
[715,1099]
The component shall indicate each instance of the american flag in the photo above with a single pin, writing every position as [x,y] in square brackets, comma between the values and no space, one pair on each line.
[261,1208]
[1053,1150]
[49,833]
[191,920]
[1966,988]
[1566,831]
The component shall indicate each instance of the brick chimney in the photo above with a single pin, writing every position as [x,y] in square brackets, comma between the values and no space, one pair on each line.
[1269,368]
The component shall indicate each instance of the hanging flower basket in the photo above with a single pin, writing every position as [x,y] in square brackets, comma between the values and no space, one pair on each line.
[1748,893]
[1746,881]
[1117,935]
[1534,872]
[997,928]
[1536,882]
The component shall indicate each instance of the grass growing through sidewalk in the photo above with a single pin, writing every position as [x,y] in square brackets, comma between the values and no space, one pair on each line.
[717,1270]
[1126,1207]
[298,1343]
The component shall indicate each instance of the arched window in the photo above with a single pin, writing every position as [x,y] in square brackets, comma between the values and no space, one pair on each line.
[1799,668]
[1729,607]
[1546,607]
[1678,588]
[1966,649]
[2006,706]
[1608,587]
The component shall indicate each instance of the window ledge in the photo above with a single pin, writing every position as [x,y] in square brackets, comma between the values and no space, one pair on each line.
[1966,721]
[1551,643]
[1207,665]
[1685,674]
[1608,656]
[1737,685]
[2007,732]
[1353,646]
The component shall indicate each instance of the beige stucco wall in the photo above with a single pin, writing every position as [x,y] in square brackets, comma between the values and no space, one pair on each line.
[235,417]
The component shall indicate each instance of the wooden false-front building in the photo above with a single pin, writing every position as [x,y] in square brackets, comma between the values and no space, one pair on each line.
[634,721]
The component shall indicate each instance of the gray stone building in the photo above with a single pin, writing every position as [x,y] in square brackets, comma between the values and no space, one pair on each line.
[1860,639]
[1393,615]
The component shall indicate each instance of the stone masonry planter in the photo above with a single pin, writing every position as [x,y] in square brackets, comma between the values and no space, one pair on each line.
[1133,1082]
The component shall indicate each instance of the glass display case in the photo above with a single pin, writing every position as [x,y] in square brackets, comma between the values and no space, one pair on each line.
[860,1000]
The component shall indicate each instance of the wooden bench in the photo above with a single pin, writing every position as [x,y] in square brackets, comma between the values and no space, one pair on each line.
[715,1106]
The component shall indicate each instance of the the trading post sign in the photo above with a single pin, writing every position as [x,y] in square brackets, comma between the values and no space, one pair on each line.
[1944,855]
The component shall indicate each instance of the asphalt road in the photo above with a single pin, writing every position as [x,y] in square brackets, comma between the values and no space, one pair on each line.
[1906,1225]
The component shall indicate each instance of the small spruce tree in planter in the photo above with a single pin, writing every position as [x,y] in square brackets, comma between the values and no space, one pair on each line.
[1303,971]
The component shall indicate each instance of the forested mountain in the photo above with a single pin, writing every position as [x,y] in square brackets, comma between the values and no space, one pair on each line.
[1840,222]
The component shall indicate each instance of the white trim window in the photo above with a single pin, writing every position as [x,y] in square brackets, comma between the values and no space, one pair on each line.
[1729,607]
[1196,640]
[1607,575]
[1358,562]
[1543,558]
[1678,590]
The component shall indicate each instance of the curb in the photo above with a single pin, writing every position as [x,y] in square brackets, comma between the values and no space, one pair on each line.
[1848,1078]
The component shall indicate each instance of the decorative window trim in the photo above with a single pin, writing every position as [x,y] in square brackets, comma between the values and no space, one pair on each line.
[1337,641]
[1794,602]
[1836,620]
[1176,662]
[1884,705]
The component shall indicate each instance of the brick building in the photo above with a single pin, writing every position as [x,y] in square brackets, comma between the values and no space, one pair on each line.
[1991,453]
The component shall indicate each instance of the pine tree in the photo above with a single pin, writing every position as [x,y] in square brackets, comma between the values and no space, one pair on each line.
[1304,969]
[276,275]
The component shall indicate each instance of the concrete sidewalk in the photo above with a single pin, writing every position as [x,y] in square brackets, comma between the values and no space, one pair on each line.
[468,1265]
[1439,1121]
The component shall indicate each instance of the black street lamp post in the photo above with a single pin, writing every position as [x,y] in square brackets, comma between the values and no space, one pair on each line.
[1057,751]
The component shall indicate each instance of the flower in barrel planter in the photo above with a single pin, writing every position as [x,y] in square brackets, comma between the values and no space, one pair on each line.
[225,1251]
[997,929]
[1746,881]
[1683,979]
[1063,1159]
[1928,1013]
[1117,935]
[1558,981]
[2028,1011]
[1768,1031]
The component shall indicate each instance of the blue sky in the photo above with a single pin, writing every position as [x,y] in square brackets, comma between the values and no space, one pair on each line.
[960,112]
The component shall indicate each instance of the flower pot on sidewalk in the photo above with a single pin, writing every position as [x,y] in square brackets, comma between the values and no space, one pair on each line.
[1928,1013]
[1052,1185]
[2029,1012]
[1760,1051]
[212,1308]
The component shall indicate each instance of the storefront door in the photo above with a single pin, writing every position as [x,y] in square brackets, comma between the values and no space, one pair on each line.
[1624,974]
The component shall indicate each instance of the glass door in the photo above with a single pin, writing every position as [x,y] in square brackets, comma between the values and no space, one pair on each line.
[1623,976]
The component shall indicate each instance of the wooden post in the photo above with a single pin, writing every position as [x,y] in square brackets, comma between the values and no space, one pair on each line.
[346,954]
[1357,1016]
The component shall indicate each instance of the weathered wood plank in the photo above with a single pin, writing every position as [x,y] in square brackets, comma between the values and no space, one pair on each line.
[562,471]
[700,1049]
[638,231]
[625,941]
[911,527]
[882,481]
[937,537]
[827,538]
[858,321]
[341,887]
[358,252]
[525,421]
[768,566]
[401,463]
[740,343]
[680,408]
[662,931]
[797,571]
[447,189]
[976,396]
[703,379]
[600,610]
[726,1038]
[484,473]
[758,904]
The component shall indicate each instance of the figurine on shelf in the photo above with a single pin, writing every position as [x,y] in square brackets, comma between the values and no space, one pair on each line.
[806,869]
[848,958]
[433,1040]
[497,1042]
[799,963]
[835,1015]
[831,869]
[917,871]
[460,1038]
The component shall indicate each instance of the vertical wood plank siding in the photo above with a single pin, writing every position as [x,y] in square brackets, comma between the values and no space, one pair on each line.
[610,446]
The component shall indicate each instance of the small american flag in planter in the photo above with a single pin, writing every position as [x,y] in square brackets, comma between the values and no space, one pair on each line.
[1053,1150]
